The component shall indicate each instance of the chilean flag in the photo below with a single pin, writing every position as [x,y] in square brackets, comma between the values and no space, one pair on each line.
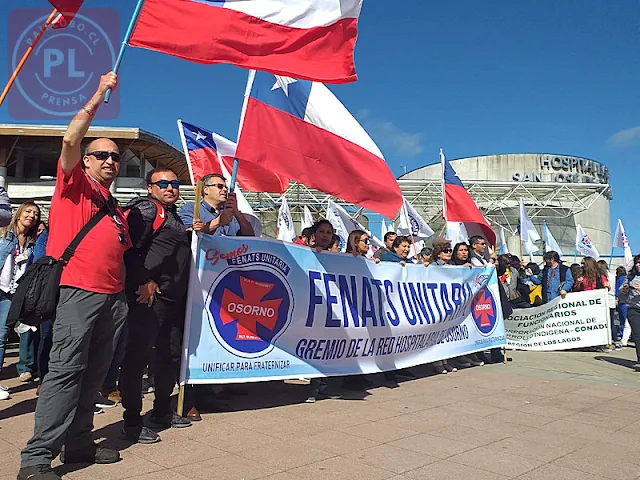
[207,151]
[299,129]
[460,207]
[309,39]
[67,9]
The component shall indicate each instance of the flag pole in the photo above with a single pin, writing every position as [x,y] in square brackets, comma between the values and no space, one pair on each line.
[26,55]
[234,175]
[125,41]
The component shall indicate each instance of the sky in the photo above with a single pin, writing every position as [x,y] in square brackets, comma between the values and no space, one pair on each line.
[474,78]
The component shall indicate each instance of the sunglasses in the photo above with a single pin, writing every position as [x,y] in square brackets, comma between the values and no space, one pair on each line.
[219,185]
[165,184]
[447,250]
[365,240]
[102,155]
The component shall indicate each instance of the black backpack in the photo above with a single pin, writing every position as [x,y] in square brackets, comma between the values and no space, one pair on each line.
[38,291]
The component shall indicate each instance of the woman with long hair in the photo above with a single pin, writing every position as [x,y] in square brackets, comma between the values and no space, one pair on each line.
[358,243]
[461,255]
[442,251]
[593,276]
[322,232]
[630,296]
[17,241]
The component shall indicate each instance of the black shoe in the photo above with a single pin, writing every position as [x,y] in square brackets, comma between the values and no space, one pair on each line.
[170,420]
[97,410]
[147,385]
[104,402]
[92,454]
[37,472]
[139,434]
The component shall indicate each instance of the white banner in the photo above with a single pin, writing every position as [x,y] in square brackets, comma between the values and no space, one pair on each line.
[262,310]
[580,320]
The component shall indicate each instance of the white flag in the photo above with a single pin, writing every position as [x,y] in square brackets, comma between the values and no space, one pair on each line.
[584,246]
[344,225]
[504,248]
[528,233]
[411,224]
[549,241]
[620,240]
[307,218]
[456,232]
[286,232]
[384,229]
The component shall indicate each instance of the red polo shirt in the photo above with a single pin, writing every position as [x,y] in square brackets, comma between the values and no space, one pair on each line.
[97,264]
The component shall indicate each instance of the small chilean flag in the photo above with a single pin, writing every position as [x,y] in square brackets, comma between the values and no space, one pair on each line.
[460,207]
[299,129]
[309,39]
[208,152]
[67,9]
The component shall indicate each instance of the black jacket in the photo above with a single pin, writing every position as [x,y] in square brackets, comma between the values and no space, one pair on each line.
[163,256]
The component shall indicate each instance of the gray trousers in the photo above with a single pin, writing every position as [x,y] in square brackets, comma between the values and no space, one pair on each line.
[85,333]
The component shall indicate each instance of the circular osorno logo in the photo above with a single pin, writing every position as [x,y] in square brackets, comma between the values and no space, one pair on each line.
[249,308]
[63,70]
[484,313]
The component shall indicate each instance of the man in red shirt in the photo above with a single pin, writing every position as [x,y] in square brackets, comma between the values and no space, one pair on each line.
[92,306]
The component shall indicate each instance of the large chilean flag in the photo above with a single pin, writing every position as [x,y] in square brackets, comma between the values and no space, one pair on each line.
[309,39]
[207,151]
[299,129]
[460,207]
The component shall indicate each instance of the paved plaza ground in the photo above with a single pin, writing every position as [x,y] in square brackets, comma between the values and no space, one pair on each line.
[560,416]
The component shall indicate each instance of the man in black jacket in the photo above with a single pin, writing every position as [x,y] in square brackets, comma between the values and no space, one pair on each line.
[156,286]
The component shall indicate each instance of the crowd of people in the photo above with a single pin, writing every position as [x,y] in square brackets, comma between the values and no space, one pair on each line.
[117,320]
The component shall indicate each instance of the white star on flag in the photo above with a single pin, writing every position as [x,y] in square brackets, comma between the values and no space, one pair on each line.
[283,83]
[200,136]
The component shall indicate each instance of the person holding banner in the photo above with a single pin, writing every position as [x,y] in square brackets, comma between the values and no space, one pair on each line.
[461,255]
[399,251]
[425,256]
[219,213]
[478,247]
[630,296]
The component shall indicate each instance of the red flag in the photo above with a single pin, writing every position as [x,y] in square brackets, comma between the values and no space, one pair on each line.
[67,10]
[459,206]
[208,150]
[307,39]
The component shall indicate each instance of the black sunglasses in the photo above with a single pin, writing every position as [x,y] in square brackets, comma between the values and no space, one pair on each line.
[447,250]
[165,184]
[219,185]
[102,155]
[365,240]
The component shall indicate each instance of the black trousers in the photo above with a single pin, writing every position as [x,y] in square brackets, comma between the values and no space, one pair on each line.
[633,315]
[160,325]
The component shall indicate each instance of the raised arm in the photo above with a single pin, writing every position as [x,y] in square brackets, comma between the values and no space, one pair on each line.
[71,154]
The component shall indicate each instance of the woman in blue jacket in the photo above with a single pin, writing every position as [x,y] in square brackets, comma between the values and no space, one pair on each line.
[17,242]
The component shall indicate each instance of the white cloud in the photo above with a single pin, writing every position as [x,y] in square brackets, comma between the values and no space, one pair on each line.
[390,137]
[626,138]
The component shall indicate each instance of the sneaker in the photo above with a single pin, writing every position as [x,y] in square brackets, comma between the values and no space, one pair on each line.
[439,367]
[139,434]
[97,410]
[104,402]
[4,393]
[92,454]
[170,420]
[636,367]
[449,368]
[617,346]
[310,399]
[114,396]
[37,472]
[25,376]
[476,360]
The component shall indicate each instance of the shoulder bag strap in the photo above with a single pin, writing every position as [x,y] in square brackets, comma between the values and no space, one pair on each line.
[71,249]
